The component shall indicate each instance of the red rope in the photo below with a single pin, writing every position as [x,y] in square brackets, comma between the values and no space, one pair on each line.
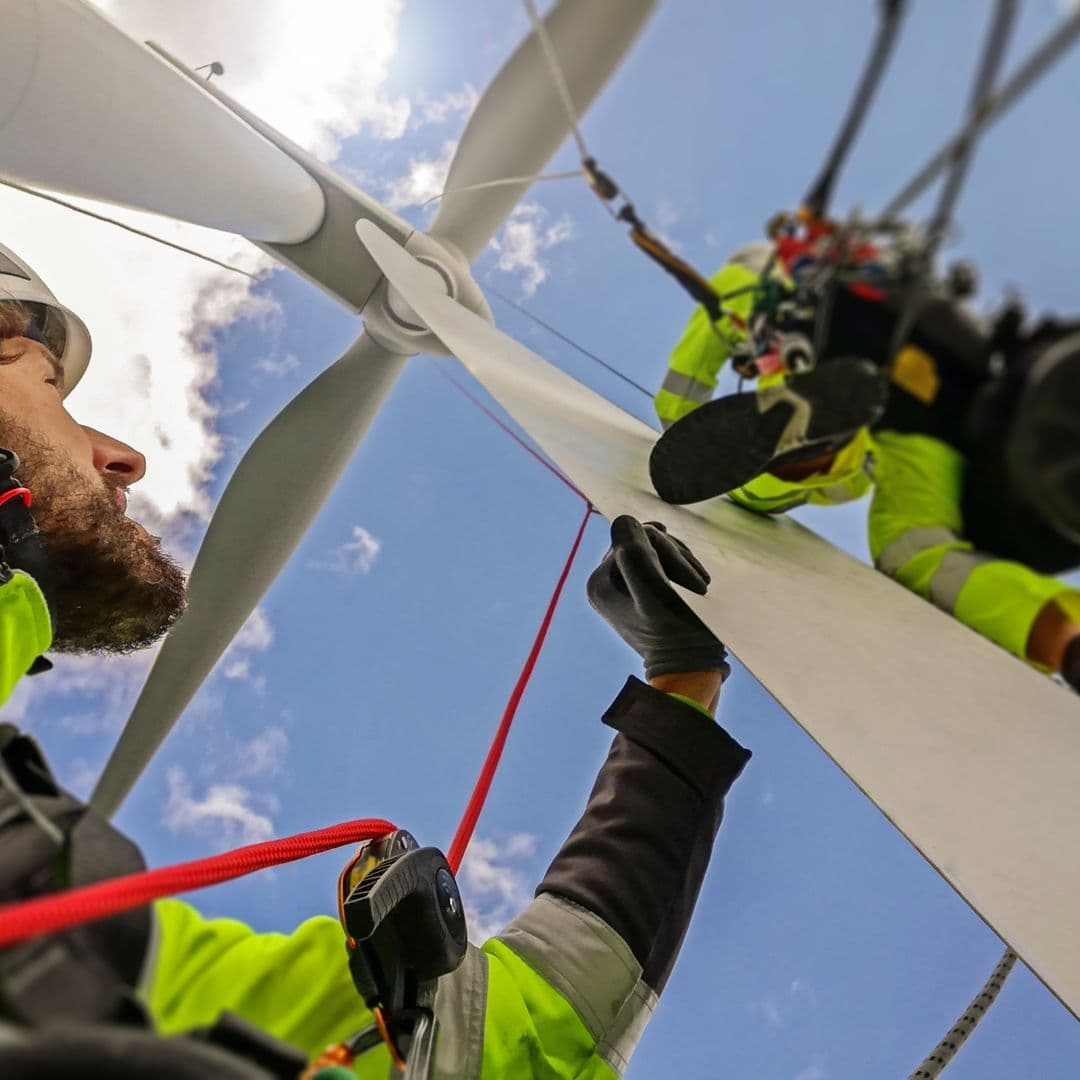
[17,493]
[47,914]
[491,762]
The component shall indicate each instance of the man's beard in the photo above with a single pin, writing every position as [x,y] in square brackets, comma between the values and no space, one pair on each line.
[111,587]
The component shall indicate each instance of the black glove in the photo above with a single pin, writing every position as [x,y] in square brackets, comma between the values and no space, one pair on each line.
[1070,664]
[20,541]
[631,588]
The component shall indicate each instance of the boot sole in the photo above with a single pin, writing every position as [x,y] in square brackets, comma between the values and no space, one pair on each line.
[726,443]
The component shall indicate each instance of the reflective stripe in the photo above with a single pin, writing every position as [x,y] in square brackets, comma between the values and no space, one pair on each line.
[461,1010]
[579,955]
[686,386]
[150,958]
[952,576]
[616,1049]
[899,552]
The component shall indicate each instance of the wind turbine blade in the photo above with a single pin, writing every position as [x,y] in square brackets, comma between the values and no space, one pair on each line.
[969,752]
[86,110]
[279,486]
[519,122]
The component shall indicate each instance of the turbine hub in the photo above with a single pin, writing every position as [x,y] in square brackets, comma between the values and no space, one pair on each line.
[394,324]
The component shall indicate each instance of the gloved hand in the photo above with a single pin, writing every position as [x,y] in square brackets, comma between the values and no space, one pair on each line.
[1070,664]
[20,541]
[631,588]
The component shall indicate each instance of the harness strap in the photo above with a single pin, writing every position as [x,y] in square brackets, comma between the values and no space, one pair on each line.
[820,193]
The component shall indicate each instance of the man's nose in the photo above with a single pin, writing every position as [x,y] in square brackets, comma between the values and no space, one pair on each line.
[114,458]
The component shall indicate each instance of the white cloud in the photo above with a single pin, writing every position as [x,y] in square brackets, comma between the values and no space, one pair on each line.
[667,216]
[814,1071]
[225,814]
[493,889]
[355,556]
[264,756]
[269,366]
[770,1009]
[452,105]
[777,1008]
[112,684]
[425,179]
[256,635]
[240,671]
[281,60]
[524,239]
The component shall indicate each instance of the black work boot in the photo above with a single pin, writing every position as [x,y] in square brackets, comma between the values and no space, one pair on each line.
[726,443]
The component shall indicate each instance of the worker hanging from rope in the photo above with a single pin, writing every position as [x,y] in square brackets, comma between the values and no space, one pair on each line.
[873,375]
[564,989]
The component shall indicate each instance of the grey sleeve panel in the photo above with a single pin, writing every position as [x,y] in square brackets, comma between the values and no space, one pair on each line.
[150,958]
[899,552]
[461,1009]
[580,956]
[621,1040]
[952,575]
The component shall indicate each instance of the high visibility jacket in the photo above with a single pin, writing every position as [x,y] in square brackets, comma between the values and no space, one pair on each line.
[25,629]
[916,527]
[565,990]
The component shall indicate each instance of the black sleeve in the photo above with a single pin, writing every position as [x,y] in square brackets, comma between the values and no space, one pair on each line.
[639,853]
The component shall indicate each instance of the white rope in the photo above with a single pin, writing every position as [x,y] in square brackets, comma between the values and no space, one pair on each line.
[574,174]
[127,228]
[946,1050]
[557,76]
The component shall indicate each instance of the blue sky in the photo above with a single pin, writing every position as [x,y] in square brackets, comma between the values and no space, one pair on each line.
[823,947]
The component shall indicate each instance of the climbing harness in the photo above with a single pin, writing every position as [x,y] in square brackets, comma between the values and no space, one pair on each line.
[818,198]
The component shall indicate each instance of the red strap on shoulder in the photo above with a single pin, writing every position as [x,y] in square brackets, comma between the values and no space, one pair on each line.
[17,493]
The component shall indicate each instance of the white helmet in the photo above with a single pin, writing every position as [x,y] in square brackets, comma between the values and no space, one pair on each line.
[754,256]
[65,332]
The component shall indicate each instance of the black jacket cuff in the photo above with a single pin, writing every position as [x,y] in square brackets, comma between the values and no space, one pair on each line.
[690,743]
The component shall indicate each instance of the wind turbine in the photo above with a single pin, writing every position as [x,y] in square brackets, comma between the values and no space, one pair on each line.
[969,752]
[75,72]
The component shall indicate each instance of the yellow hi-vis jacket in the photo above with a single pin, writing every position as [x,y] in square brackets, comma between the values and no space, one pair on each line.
[916,530]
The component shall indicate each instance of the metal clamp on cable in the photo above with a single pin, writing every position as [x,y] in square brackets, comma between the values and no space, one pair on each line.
[405,926]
